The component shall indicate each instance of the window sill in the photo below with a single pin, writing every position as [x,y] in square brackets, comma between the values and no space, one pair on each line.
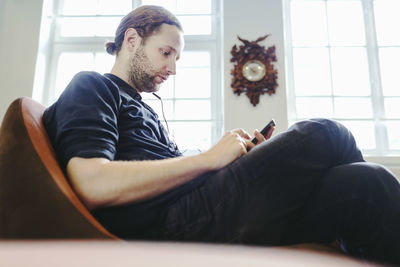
[391,162]
[388,161]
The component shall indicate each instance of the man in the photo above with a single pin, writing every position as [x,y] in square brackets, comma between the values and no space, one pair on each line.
[308,184]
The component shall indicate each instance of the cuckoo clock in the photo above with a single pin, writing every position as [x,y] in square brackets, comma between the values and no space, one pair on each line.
[253,71]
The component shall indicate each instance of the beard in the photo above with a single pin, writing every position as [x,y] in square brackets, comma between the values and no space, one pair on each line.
[141,73]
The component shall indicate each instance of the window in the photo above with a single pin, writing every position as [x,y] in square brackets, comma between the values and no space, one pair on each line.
[343,59]
[73,35]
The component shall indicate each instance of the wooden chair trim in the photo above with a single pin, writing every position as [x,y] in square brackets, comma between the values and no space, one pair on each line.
[36,132]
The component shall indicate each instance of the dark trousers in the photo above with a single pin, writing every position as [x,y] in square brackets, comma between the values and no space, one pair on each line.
[308,184]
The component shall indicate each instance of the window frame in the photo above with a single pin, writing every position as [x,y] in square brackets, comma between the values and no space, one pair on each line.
[52,45]
[377,98]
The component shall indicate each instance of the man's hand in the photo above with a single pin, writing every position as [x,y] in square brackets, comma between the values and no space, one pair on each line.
[261,138]
[233,145]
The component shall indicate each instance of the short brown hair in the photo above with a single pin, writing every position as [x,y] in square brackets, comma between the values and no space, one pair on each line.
[145,20]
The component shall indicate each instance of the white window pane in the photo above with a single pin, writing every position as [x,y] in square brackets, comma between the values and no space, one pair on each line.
[193,79]
[193,83]
[194,58]
[81,27]
[168,4]
[387,21]
[363,132]
[167,88]
[77,27]
[350,72]
[390,66]
[68,65]
[311,71]
[79,7]
[196,25]
[392,107]
[192,110]
[352,107]
[40,74]
[191,135]
[114,7]
[103,62]
[155,104]
[313,107]
[346,23]
[193,7]
[106,26]
[393,130]
[308,23]
[182,6]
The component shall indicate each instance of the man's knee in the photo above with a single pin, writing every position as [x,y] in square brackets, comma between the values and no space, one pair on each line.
[331,136]
[372,174]
[371,180]
[326,127]
[381,183]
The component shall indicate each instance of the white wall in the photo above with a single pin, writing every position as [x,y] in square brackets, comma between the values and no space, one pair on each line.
[19,37]
[251,19]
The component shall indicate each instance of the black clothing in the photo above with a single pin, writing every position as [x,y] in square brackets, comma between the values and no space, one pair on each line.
[102,116]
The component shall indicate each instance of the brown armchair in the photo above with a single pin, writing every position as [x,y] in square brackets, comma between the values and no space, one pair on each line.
[36,200]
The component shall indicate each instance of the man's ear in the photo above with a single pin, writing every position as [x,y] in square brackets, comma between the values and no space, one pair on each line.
[131,39]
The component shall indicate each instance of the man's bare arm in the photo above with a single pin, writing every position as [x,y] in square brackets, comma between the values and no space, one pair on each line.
[100,182]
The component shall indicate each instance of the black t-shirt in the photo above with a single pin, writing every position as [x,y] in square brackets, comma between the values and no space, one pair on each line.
[102,116]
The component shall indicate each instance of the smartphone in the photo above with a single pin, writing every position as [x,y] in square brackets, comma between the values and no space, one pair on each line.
[264,131]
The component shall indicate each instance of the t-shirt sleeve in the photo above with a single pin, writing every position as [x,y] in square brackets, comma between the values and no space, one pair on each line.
[84,120]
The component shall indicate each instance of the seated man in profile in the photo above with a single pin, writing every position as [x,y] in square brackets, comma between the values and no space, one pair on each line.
[308,184]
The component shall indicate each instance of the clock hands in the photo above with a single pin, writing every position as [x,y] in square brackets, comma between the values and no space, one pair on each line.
[254,70]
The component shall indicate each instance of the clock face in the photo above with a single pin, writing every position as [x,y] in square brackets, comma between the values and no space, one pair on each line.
[254,70]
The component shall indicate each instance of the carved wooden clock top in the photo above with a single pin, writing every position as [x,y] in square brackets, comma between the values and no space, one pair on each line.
[253,71]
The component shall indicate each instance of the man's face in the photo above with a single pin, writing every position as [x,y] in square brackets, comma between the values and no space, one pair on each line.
[153,61]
